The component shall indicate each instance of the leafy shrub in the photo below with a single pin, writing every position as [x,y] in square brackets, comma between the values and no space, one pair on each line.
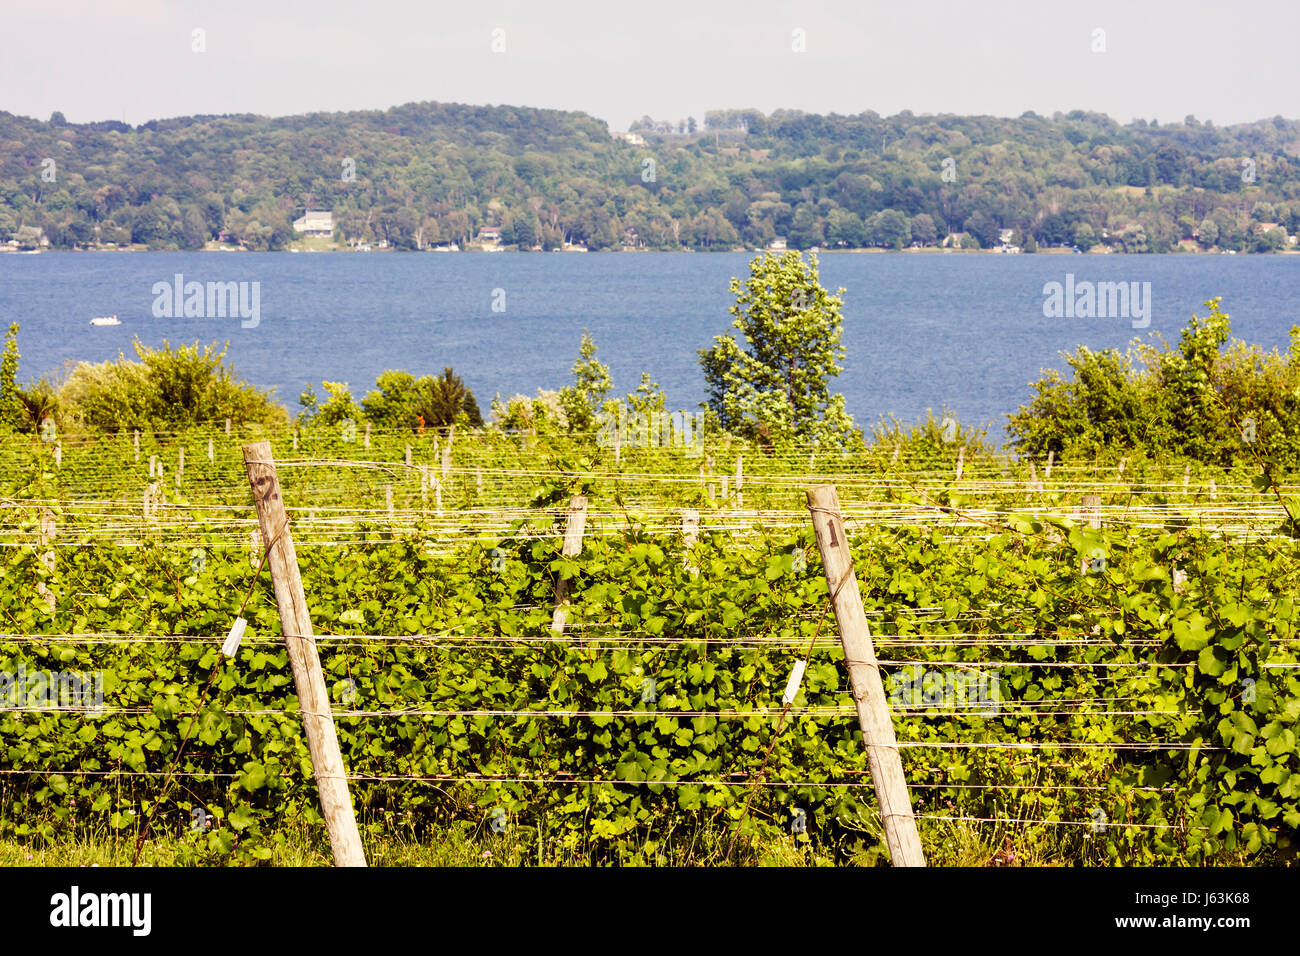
[1211,398]
[169,386]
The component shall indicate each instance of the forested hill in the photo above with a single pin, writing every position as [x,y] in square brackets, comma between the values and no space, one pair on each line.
[433,173]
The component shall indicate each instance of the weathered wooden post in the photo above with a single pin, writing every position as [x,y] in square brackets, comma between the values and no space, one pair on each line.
[367,435]
[180,464]
[478,479]
[575,523]
[227,427]
[740,481]
[961,462]
[408,454]
[864,680]
[690,535]
[1089,511]
[308,678]
[137,444]
[45,536]
[211,457]
[1051,457]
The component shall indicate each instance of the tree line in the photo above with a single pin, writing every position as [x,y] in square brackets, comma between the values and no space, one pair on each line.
[427,174]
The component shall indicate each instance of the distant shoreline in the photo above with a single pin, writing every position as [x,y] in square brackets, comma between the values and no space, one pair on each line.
[928,250]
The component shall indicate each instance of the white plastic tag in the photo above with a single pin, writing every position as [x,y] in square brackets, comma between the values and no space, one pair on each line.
[232,639]
[792,685]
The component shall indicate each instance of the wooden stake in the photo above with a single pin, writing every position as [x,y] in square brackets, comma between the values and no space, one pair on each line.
[153,466]
[137,444]
[575,523]
[961,461]
[1187,476]
[437,494]
[446,462]
[478,479]
[46,534]
[726,487]
[864,680]
[618,444]
[1089,511]
[180,464]
[227,427]
[740,481]
[308,678]
[367,435]
[408,456]
[58,454]
[424,486]
[690,535]
[1051,457]
[295,439]
[210,455]
[388,499]
[1122,462]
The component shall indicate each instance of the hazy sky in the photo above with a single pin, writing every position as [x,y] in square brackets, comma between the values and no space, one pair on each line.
[1163,59]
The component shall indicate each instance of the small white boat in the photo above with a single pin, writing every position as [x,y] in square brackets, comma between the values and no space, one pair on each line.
[105,320]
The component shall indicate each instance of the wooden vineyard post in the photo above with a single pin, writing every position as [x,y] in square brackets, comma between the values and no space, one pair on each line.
[740,481]
[574,525]
[180,464]
[388,499]
[408,456]
[299,639]
[961,462]
[137,444]
[478,479]
[295,439]
[211,457]
[367,435]
[45,536]
[1089,511]
[864,680]
[227,427]
[446,461]
[690,535]
[1051,457]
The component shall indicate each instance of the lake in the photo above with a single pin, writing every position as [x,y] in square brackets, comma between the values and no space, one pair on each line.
[922,330]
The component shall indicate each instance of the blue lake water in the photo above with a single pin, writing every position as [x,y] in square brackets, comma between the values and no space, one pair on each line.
[922,331]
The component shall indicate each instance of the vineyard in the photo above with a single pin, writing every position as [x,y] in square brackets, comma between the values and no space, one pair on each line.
[1093,661]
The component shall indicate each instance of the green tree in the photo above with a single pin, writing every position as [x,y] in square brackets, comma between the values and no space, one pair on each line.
[11,407]
[583,399]
[776,385]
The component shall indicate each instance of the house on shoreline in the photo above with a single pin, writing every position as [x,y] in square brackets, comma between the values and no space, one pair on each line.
[315,222]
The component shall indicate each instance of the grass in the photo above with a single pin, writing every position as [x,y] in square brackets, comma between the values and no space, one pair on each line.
[465,845]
